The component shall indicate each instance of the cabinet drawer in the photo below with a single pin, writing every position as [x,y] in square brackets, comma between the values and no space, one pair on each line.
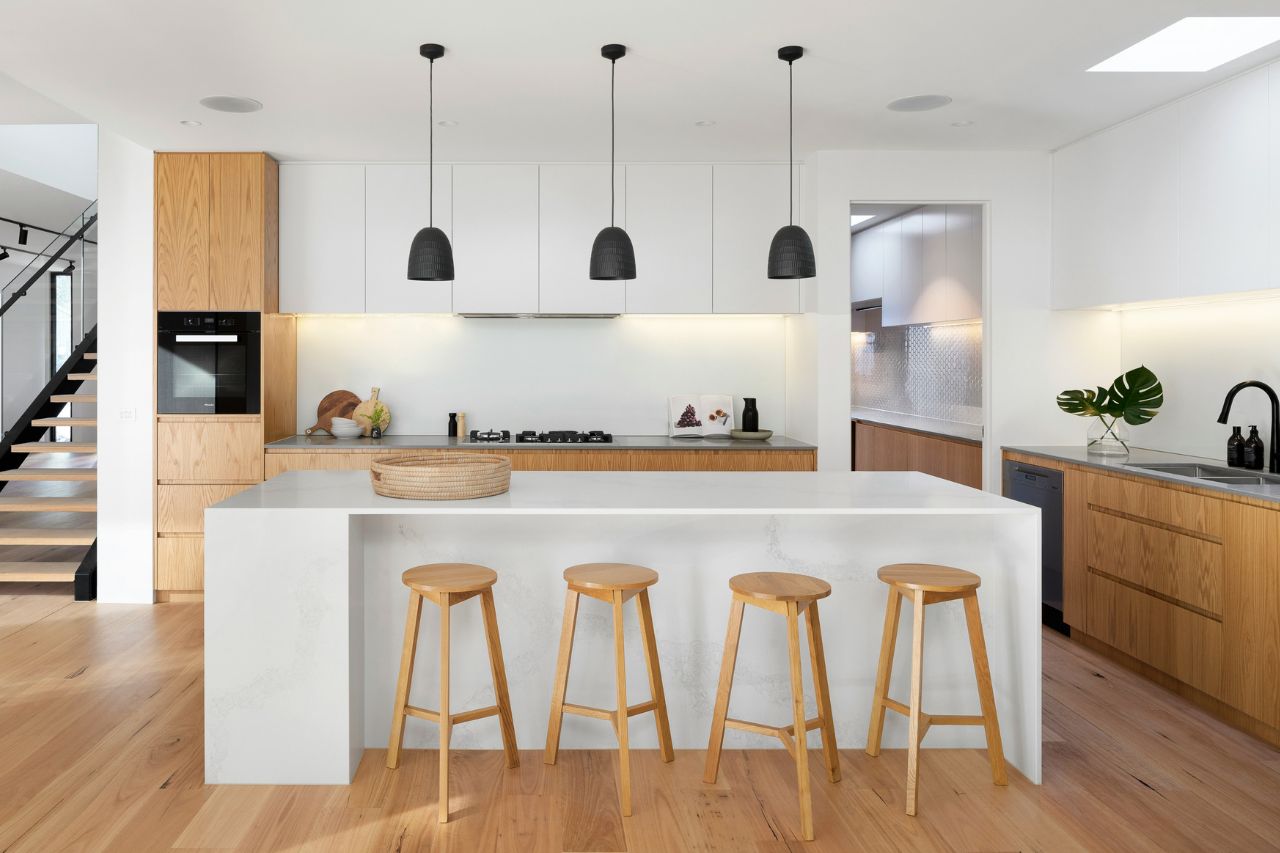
[1185,568]
[1160,504]
[209,451]
[180,563]
[723,460]
[1170,638]
[180,509]
[278,463]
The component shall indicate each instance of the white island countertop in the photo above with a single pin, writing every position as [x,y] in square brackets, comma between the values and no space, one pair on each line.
[644,493]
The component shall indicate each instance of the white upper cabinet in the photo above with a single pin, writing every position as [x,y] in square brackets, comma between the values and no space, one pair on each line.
[749,208]
[669,214]
[321,238]
[1273,216]
[395,209]
[1174,203]
[495,239]
[573,205]
[933,263]
[866,264]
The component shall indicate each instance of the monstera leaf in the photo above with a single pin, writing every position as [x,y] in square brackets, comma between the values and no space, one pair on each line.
[1135,396]
[1086,403]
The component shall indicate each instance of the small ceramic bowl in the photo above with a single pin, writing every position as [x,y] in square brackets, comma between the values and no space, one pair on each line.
[342,431]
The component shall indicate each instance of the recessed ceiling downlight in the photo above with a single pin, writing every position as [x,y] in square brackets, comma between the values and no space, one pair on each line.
[187,122]
[231,104]
[919,103]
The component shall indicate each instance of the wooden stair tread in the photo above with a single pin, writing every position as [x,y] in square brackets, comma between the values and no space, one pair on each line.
[42,504]
[47,536]
[83,377]
[74,398]
[49,474]
[65,422]
[36,572]
[56,447]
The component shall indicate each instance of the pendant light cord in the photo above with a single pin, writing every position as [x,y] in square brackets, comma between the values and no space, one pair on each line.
[791,142]
[431,144]
[613,132]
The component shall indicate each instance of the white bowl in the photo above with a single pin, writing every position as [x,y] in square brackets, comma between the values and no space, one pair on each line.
[343,422]
[347,432]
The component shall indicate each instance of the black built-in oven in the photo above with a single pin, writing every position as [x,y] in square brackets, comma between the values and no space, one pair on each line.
[209,363]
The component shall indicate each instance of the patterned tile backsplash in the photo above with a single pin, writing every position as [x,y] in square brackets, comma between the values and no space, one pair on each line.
[927,371]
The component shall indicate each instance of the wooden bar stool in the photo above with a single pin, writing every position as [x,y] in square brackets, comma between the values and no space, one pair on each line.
[448,584]
[613,583]
[789,595]
[924,585]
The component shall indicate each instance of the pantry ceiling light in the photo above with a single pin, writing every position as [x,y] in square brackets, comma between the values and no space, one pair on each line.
[1195,44]
[858,219]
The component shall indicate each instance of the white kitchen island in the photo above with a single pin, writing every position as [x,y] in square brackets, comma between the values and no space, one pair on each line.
[304,609]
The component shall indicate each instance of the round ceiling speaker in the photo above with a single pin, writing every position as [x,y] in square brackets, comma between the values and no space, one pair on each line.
[231,104]
[919,103]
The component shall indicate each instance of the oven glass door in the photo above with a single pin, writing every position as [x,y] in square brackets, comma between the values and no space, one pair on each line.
[209,374]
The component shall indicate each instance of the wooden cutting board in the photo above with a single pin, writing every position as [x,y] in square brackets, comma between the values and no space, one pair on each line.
[365,410]
[336,404]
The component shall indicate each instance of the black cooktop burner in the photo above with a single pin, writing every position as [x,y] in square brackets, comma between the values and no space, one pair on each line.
[564,436]
[490,435]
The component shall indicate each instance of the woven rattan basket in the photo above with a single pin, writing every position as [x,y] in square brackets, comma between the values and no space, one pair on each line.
[441,476]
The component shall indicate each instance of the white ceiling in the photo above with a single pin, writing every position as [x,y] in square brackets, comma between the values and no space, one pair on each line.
[525,81]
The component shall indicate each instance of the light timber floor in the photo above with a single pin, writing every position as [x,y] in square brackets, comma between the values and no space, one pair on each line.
[100,749]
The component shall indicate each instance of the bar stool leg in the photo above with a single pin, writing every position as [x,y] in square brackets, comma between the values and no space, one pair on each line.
[722,692]
[797,707]
[818,659]
[655,676]
[888,642]
[982,671]
[499,669]
[562,676]
[622,718]
[917,683]
[411,623]
[446,723]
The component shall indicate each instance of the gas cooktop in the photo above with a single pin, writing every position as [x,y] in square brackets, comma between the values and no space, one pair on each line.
[530,436]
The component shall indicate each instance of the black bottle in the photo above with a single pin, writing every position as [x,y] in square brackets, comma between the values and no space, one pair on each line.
[750,415]
[453,425]
[1253,450]
[1235,449]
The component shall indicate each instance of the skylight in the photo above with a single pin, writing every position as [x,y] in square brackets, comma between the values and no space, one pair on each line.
[1195,44]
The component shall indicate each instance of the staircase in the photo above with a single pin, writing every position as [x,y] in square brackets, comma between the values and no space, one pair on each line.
[48,486]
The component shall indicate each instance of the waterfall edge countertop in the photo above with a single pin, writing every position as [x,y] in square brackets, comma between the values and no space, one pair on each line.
[443,442]
[304,607]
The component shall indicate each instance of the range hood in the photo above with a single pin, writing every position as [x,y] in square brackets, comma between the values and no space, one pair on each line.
[548,316]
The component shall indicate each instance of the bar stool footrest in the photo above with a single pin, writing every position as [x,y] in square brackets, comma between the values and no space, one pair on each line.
[929,720]
[454,719]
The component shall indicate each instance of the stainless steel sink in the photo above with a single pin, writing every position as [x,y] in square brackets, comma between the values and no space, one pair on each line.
[1235,481]
[1209,473]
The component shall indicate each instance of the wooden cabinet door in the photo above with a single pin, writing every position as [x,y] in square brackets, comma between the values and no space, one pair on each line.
[395,202]
[573,205]
[180,509]
[237,232]
[1251,611]
[669,221]
[180,563]
[495,247]
[182,232]
[747,212]
[322,238]
[279,463]
[209,451]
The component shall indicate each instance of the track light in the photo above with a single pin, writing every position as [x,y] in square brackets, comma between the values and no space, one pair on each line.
[71,267]
[22,235]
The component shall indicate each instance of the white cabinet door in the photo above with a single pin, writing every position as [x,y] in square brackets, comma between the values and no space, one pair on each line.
[1223,237]
[321,238]
[669,220]
[749,208]
[573,205]
[866,262]
[903,249]
[961,299]
[1273,215]
[395,209]
[495,245]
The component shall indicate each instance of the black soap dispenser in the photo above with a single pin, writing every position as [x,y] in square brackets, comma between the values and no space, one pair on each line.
[1253,450]
[1235,449]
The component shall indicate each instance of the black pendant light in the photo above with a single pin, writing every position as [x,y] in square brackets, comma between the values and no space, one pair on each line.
[612,256]
[791,252]
[431,256]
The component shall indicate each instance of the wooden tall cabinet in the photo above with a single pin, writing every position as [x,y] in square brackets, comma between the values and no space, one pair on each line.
[217,249]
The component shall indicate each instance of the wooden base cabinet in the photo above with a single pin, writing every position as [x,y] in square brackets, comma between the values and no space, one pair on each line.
[884,448]
[1179,583]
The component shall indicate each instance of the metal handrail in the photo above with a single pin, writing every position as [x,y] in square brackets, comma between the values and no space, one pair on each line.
[44,268]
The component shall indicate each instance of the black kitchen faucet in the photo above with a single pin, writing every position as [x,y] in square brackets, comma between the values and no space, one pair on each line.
[1274,467]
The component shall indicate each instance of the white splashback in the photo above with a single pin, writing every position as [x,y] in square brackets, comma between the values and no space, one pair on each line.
[1199,351]
[611,374]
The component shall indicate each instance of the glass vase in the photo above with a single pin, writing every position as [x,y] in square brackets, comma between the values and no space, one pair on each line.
[1108,436]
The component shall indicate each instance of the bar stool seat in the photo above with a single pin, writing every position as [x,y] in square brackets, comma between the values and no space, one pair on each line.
[615,584]
[924,584]
[790,595]
[448,584]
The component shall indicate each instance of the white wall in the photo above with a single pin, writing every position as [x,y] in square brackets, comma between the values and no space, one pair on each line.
[64,156]
[1199,351]
[1029,352]
[517,374]
[126,394]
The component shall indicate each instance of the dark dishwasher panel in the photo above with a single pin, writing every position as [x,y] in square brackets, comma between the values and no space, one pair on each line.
[1042,487]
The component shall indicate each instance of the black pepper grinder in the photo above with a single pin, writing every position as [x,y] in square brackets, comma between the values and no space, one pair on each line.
[453,425]
[1254,451]
[1235,449]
